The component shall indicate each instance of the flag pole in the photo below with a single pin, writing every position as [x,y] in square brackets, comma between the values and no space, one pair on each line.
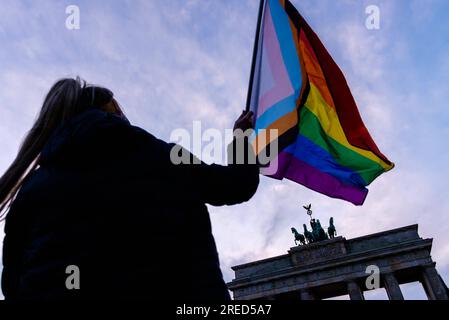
[253,64]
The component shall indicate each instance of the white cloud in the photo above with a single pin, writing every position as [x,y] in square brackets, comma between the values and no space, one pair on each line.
[168,66]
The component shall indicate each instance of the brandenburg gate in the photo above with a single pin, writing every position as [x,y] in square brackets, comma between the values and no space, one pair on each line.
[337,266]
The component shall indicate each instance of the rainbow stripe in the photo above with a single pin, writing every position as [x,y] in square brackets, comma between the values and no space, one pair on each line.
[300,91]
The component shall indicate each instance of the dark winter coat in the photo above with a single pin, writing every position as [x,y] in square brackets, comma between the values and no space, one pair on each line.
[108,199]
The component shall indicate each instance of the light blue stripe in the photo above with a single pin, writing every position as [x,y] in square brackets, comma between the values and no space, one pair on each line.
[286,41]
[277,111]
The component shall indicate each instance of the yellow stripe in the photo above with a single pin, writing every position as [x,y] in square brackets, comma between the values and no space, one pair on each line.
[332,127]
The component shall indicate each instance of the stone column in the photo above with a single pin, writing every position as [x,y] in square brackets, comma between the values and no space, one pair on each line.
[392,287]
[305,294]
[433,284]
[355,293]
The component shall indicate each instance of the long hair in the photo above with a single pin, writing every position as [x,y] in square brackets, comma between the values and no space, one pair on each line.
[66,99]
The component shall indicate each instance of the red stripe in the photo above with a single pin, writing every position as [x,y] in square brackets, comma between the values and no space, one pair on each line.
[308,46]
[347,110]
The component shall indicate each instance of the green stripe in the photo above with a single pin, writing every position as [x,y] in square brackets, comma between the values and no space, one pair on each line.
[310,127]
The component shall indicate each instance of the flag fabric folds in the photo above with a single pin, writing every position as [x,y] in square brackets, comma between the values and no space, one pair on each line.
[298,90]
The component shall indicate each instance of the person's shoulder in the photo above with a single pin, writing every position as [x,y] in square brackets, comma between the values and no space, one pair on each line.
[94,119]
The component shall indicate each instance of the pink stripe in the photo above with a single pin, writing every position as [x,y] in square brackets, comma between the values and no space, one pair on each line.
[282,85]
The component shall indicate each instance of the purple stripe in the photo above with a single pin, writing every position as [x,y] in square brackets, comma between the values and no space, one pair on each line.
[296,170]
[278,166]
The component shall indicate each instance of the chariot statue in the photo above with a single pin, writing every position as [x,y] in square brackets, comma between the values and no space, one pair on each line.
[317,233]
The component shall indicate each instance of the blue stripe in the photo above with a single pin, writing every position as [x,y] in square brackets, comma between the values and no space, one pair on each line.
[319,158]
[286,41]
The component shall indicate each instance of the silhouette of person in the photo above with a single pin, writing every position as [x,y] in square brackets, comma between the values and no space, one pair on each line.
[90,190]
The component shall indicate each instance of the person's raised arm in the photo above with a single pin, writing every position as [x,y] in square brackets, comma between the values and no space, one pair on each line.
[213,184]
[223,185]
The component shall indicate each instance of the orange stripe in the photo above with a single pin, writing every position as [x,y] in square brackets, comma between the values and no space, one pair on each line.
[282,125]
[314,71]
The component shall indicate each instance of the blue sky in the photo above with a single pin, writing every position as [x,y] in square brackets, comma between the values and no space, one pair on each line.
[171,62]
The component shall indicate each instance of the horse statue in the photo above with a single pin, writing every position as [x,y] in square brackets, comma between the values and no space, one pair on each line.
[298,237]
[308,235]
[321,233]
[332,231]
[315,230]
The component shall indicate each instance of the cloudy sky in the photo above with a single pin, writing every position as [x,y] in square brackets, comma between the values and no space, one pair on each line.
[172,62]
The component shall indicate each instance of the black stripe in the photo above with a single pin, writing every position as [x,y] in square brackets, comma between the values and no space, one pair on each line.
[294,15]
